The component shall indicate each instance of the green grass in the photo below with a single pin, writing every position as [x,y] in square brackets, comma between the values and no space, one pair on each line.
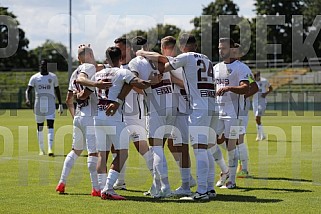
[284,180]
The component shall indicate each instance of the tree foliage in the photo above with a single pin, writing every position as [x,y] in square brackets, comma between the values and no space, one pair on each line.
[21,57]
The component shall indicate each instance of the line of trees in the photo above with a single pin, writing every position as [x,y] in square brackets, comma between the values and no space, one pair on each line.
[207,28]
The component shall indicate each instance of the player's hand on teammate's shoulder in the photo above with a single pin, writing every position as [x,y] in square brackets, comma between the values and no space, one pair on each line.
[103,84]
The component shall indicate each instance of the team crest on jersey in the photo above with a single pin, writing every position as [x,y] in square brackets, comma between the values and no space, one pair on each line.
[50,80]
[229,71]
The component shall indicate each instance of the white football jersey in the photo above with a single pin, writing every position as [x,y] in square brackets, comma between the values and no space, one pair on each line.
[86,107]
[134,103]
[44,86]
[181,97]
[231,74]
[263,85]
[198,79]
[159,96]
[115,75]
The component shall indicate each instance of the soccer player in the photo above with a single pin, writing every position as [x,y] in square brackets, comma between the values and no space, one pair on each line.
[242,170]
[161,115]
[259,103]
[46,85]
[112,126]
[181,102]
[134,114]
[83,118]
[199,80]
[231,78]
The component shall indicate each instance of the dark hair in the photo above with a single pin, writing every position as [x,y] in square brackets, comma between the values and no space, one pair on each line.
[186,39]
[228,41]
[113,54]
[138,42]
[123,40]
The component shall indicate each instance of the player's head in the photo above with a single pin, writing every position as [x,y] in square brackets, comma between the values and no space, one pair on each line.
[85,54]
[187,43]
[224,46]
[168,46]
[126,49]
[257,76]
[44,67]
[139,43]
[113,56]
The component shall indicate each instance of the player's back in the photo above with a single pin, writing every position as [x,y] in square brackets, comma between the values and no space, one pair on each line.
[199,81]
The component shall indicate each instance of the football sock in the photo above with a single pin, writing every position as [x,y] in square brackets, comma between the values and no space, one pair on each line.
[160,166]
[219,159]
[121,177]
[102,178]
[243,154]
[50,138]
[68,164]
[148,157]
[232,164]
[211,171]
[111,179]
[40,140]
[92,164]
[185,175]
[201,169]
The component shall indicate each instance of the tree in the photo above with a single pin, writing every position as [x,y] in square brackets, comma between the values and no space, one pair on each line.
[312,8]
[20,58]
[55,52]
[282,33]
[154,35]
[206,27]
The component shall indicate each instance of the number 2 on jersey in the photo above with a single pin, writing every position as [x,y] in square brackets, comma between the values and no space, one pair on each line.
[202,69]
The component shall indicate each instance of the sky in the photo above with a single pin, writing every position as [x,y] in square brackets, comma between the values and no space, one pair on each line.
[99,22]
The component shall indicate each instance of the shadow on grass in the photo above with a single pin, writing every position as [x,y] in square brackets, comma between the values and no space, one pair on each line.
[247,189]
[280,179]
[60,155]
[234,198]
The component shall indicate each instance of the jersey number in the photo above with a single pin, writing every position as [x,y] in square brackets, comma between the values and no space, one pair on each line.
[202,69]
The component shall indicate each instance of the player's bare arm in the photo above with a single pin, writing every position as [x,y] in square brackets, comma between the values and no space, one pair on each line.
[270,89]
[253,89]
[70,103]
[83,80]
[28,95]
[243,88]
[112,107]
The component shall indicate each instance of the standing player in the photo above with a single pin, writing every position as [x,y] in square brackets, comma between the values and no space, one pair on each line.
[181,102]
[242,170]
[259,103]
[198,79]
[45,85]
[112,126]
[231,78]
[134,114]
[161,115]
[82,119]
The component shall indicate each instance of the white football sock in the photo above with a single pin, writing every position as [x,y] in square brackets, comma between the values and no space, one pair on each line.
[201,169]
[121,177]
[111,179]
[102,178]
[50,138]
[219,159]
[160,166]
[211,171]
[68,164]
[148,156]
[232,162]
[40,140]
[243,154]
[92,164]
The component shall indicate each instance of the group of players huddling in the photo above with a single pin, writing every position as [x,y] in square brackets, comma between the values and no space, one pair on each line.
[149,98]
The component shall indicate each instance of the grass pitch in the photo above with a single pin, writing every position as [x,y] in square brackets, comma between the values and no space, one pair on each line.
[285,170]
